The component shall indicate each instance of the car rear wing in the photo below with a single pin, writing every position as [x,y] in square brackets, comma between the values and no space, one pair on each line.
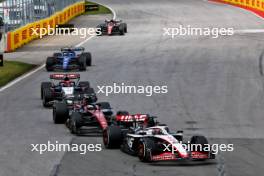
[63,76]
[132,118]
[72,49]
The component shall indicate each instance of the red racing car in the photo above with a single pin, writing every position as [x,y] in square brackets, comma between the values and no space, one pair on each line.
[111,27]
[83,113]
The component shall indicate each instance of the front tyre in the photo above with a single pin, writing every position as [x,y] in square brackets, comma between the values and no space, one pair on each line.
[75,123]
[60,113]
[49,63]
[47,97]
[44,85]
[145,148]
[112,137]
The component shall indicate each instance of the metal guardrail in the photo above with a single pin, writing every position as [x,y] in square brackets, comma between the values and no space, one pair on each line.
[17,13]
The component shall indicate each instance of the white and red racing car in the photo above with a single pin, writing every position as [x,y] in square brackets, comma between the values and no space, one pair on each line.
[155,143]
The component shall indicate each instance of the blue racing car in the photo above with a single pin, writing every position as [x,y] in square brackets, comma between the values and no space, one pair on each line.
[70,58]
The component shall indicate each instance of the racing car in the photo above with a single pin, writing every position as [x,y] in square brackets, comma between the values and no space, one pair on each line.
[70,58]
[60,86]
[84,113]
[110,27]
[156,143]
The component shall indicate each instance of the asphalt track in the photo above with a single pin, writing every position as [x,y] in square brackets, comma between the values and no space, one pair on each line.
[215,88]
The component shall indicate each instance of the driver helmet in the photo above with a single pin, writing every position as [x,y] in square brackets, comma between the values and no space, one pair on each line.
[87,100]
[156,131]
[66,82]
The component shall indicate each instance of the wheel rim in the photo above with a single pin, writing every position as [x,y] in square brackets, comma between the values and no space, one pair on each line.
[141,151]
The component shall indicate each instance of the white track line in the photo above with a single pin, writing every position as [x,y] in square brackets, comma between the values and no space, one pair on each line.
[43,65]
[110,8]
[21,78]
[248,31]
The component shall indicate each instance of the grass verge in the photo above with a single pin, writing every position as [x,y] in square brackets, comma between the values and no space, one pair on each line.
[12,70]
[101,10]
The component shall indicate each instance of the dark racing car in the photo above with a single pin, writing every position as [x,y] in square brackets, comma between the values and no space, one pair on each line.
[61,86]
[70,58]
[84,113]
[157,143]
[111,27]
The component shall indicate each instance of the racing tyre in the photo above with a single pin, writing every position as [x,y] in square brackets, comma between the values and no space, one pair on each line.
[44,85]
[145,148]
[104,105]
[75,123]
[199,140]
[112,137]
[57,55]
[50,63]
[88,57]
[122,113]
[100,31]
[60,113]
[121,29]
[84,84]
[106,108]
[89,90]
[125,27]
[47,97]
[82,63]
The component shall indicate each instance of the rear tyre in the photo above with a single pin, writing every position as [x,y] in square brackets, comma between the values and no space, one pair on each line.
[99,31]
[84,84]
[88,57]
[104,105]
[122,113]
[125,27]
[49,63]
[47,97]
[202,141]
[121,29]
[199,140]
[106,109]
[82,63]
[112,137]
[44,85]
[60,113]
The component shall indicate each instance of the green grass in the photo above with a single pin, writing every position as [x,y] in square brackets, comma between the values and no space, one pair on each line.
[102,10]
[12,70]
